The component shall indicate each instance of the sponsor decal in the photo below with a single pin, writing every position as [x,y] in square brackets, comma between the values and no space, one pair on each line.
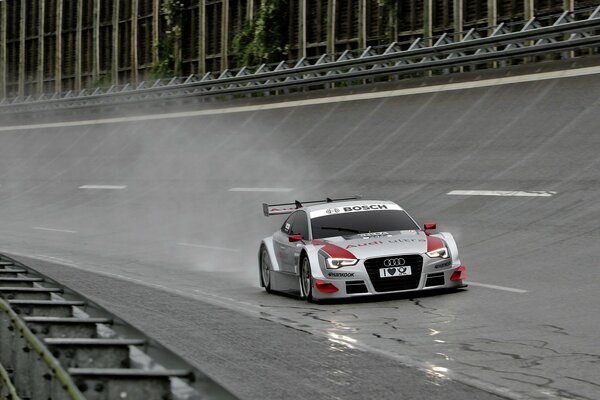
[378,242]
[368,235]
[446,264]
[366,207]
[405,240]
[364,244]
[356,208]
[395,271]
[340,274]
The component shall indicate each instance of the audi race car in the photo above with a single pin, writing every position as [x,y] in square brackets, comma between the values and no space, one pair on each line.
[341,248]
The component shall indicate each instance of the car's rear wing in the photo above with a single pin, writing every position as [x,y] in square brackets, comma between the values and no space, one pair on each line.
[288,208]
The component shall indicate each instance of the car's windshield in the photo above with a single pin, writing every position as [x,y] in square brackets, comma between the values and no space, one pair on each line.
[361,222]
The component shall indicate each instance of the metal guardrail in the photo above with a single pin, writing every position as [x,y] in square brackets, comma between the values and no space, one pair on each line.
[556,35]
[55,344]
[23,352]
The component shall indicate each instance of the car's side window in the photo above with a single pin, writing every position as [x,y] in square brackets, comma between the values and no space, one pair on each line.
[287,225]
[300,224]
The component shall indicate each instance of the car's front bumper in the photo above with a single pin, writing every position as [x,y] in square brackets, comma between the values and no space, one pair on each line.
[363,280]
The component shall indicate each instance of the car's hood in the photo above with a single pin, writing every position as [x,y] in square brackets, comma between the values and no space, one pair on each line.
[382,244]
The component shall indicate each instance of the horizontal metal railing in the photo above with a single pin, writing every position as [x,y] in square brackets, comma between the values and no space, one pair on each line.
[557,35]
[17,343]
[54,343]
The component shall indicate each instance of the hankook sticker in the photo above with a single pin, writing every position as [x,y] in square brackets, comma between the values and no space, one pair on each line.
[340,274]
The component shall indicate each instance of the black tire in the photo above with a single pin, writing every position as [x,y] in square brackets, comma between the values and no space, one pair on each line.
[265,268]
[306,279]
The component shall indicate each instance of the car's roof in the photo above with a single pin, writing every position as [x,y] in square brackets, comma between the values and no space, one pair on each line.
[345,206]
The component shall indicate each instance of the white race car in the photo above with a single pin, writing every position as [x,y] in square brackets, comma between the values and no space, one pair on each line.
[340,248]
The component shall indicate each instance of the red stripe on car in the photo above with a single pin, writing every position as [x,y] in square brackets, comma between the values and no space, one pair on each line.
[333,250]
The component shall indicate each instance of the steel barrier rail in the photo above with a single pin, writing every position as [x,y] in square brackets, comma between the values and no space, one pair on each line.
[326,78]
[17,341]
[566,32]
[499,37]
[55,344]
[403,69]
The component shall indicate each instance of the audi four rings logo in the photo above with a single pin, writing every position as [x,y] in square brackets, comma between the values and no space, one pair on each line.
[394,262]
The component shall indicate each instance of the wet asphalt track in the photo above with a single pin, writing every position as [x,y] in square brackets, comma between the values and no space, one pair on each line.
[175,249]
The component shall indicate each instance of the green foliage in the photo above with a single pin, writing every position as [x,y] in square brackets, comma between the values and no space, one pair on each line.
[169,44]
[103,80]
[264,39]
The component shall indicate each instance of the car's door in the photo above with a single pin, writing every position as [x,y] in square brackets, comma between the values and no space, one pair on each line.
[282,243]
[288,252]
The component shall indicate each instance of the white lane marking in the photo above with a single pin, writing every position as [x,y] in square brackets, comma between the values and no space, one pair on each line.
[323,100]
[241,189]
[506,289]
[202,246]
[107,187]
[41,228]
[505,193]
[53,259]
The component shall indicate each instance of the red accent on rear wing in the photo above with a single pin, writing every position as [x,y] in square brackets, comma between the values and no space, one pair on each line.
[277,210]
[284,208]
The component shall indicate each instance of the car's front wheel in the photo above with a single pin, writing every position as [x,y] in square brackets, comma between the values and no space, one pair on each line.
[306,279]
[265,269]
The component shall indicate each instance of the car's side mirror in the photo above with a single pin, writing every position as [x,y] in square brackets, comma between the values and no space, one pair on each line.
[430,226]
[295,238]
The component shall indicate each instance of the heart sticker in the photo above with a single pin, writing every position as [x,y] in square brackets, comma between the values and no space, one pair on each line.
[391,271]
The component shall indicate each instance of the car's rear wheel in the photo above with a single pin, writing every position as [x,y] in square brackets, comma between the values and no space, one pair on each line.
[306,279]
[265,269]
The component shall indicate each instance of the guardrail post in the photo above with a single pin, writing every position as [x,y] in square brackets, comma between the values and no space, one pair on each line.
[40,58]
[96,40]
[568,5]
[58,50]
[3,49]
[22,36]
[78,47]
[428,21]
[362,24]
[529,8]
[201,37]
[331,27]
[224,35]
[133,38]
[115,43]
[301,28]
[458,17]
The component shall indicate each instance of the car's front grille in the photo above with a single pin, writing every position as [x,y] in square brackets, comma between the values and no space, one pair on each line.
[395,283]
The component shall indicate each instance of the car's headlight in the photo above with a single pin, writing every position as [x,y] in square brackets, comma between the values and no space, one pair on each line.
[438,253]
[335,263]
